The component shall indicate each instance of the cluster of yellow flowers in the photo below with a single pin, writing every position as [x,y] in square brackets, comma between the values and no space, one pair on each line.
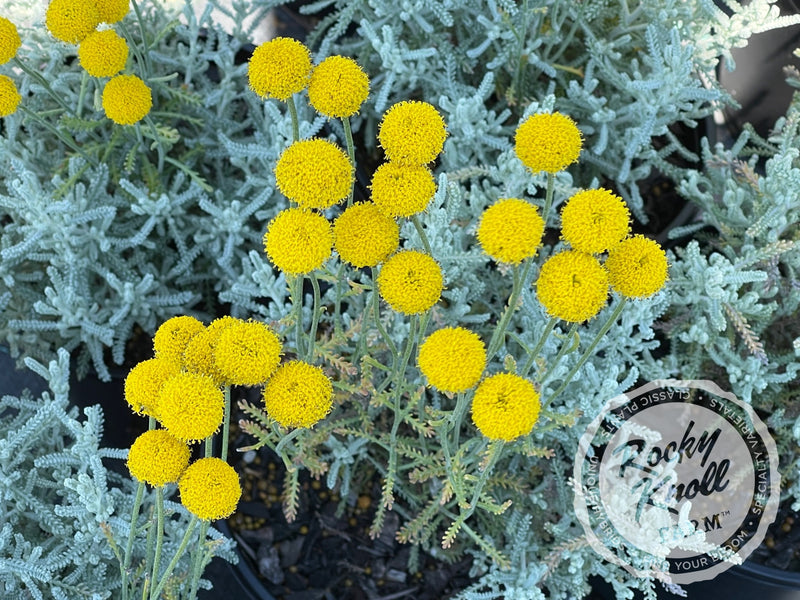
[9,44]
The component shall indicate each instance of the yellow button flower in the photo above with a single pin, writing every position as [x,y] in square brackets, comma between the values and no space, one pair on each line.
[314,173]
[412,133]
[410,282]
[453,359]
[210,489]
[157,457]
[9,40]
[144,382]
[126,99]
[103,53]
[173,335]
[364,236]
[112,11]
[402,190]
[338,87]
[593,221]
[247,353]
[279,68]
[572,286]
[298,395]
[191,406]
[198,357]
[298,241]
[9,96]
[71,20]
[548,142]
[505,406]
[637,267]
[510,230]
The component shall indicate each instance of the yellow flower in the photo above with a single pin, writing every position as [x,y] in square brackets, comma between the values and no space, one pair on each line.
[210,489]
[637,267]
[9,96]
[71,20]
[314,173]
[510,230]
[298,395]
[572,286]
[9,40]
[157,457]
[338,87]
[144,382]
[191,406]
[505,406]
[199,354]
[402,190]
[279,68]
[126,99]
[412,133]
[103,53]
[298,241]
[410,282]
[548,142]
[112,11]
[174,335]
[247,353]
[452,359]
[364,236]
[594,220]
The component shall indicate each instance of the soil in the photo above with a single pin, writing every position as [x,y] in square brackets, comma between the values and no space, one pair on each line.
[781,546]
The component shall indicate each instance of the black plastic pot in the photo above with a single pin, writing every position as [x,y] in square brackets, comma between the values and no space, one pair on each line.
[237,581]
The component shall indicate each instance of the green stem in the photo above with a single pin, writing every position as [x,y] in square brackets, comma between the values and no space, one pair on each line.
[58,133]
[226,424]
[126,563]
[298,308]
[159,537]
[495,450]
[295,122]
[565,348]
[548,329]
[611,320]
[421,232]
[337,303]
[280,448]
[82,93]
[376,309]
[548,197]
[160,146]
[174,562]
[498,335]
[143,33]
[351,153]
[457,418]
[312,336]
[197,560]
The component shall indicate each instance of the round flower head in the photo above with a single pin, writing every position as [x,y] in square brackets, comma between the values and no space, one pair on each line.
[412,133]
[198,357]
[247,353]
[505,406]
[174,335]
[9,96]
[298,241]
[279,68]
[71,20]
[157,457]
[572,286]
[452,359]
[548,142]
[364,236]
[210,489]
[9,40]
[402,190]
[338,87]
[410,282]
[314,173]
[144,382]
[103,53]
[637,267]
[191,406]
[510,230]
[112,11]
[298,395]
[126,99]
[594,220]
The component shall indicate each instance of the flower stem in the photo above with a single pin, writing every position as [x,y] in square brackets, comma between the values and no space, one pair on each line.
[226,424]
[126,563]
[58,133]
[565,348]
[142,32]
[82,93]
[421,232]
[159,537]
[457,418]
[611,320]
[351,153]
[548,329]
[295,123]
[312,335]
[548,196]
[178,553]
[298,308]
[495,450]
[498,335]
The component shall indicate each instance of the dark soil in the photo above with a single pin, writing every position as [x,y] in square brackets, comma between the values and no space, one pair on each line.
[781,546]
